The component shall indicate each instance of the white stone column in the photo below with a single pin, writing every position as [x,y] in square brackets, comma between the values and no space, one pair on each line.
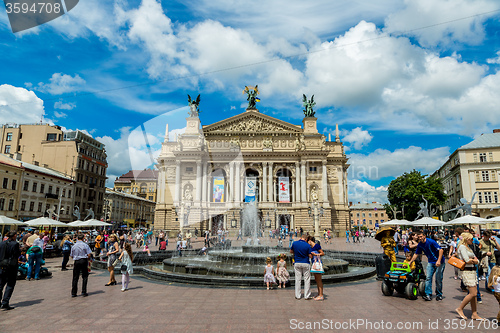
[177,181]
[198,181]
[205,184]
[159,187]
[164,184]
[261,189]
[340,176]
[271,190]
[209,182]
[324,183]
[231,183]
[237,183]
[303,184]
[242,190]
[297,182]
[274,189]
[292,191]
[225,221]
[292,223]
[264,181]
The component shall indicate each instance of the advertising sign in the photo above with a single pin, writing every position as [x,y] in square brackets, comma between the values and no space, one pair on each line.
[284,193]
[218,195]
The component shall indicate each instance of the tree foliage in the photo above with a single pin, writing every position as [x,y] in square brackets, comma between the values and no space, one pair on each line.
[407,190]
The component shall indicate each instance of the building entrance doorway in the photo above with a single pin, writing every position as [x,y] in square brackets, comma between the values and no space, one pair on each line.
[284,223]
[217,223]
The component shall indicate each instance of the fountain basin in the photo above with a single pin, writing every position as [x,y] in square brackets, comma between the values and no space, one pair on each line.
[204,266]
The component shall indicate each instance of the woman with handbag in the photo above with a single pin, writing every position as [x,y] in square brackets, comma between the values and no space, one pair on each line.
[317,252]
[126,258]
[113,250]
[469,276]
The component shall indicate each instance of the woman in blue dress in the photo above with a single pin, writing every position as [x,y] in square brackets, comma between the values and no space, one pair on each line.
[317,253]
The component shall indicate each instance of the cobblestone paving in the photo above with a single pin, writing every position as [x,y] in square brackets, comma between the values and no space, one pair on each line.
[150,306]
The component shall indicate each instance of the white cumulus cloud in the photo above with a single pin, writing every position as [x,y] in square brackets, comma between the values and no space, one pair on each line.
[462,25]
[385,163]
[64,106]
[19,105]
[61,83]
[361,191]
[357,137]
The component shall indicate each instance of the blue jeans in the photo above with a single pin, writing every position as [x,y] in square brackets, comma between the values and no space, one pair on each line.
[34,259]
[347,239]
[490,266]
[290,243]
[439,270]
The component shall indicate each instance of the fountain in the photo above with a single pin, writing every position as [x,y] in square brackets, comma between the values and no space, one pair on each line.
[239,266]
[250,227]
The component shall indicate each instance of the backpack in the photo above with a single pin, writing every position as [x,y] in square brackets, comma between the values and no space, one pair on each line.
[477,251]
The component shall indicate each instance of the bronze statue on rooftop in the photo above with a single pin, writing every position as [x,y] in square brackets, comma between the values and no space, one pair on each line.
[308,105]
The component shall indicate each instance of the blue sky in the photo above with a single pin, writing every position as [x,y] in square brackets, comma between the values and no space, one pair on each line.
[408,82]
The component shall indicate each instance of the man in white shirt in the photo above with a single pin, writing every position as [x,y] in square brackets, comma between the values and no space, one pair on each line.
[138,238]
[80,252]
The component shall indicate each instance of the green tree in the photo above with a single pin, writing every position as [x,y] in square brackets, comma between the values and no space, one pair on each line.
[407,190]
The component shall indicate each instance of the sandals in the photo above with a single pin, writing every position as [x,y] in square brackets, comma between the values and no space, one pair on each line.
[318,298]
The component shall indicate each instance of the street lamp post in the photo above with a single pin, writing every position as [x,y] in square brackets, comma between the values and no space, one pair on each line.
[60,197]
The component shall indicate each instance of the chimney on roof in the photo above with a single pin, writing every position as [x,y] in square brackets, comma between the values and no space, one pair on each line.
[374,202]
[496,130]
[350,203]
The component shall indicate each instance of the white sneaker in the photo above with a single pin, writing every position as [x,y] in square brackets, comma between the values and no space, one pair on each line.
[123,289]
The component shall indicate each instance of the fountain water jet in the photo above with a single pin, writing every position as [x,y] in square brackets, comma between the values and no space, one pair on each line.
[250,223]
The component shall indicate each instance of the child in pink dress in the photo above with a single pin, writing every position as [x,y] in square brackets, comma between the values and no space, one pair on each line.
[269,273]
[281,271]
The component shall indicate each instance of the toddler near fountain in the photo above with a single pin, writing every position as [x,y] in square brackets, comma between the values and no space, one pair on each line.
[281,272]
[269,273]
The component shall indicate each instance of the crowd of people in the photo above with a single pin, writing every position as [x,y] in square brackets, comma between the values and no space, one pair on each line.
[357,235]
[480,254]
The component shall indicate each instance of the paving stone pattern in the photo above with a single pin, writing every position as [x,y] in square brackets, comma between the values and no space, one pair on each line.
[151,306]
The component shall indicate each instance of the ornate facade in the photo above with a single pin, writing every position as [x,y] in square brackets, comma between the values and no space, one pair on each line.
[220,157]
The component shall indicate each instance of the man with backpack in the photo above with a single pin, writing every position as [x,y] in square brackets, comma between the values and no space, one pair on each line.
[9,252]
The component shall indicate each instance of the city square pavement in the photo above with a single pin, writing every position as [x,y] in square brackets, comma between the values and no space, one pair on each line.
[152,306]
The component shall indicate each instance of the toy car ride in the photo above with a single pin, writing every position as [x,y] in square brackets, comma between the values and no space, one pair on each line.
[405,281]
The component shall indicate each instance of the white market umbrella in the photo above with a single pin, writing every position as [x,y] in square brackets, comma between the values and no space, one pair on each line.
[45,222]
[492,220]
[428,221]
[467,219]
[92,223]
[74,223]
[395,222]
[4,220]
